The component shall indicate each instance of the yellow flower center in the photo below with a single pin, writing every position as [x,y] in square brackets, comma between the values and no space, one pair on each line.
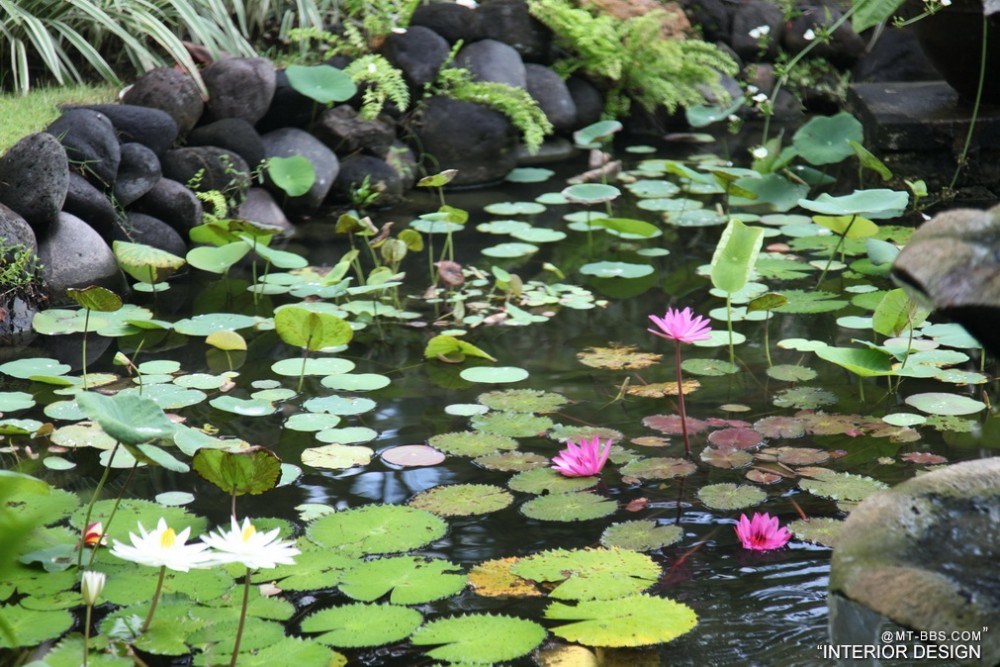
[248,532]
[168,538]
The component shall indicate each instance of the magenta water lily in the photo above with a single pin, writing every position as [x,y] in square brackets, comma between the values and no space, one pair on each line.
[762,532]
[584,459]
[681,326]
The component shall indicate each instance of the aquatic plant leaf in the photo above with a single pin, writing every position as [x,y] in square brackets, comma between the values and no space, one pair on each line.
[841,485]
[698,218]
[133,511]
[327,366]
[671,424]
[226,340]
[406,579]
[514,208]
[533,235]
[737,438]
[709,367]
[819,530]
[628,228]
[502,226]
[479,638]
[728,496]
[804,398]
[356,381]
[726,457]
[513,424]
[941,403]
[528,175]
[203,325]
[247,407]
[772,192]
[510,250]
[636,620]
[144,262]
[412,456]
[896,313]
[26,498]
[68,651]
[791,373]
[647,188]
[876,204]
[618,357]
[848,226]
[294,174]
[314,568]
[471,443]
[11,401]
[129,419]
[780,426]
[337,456]
[29,368]
[923,458]
[608,269]
[511,461]
[96,298]
[865,362]
[361,625]
[462,499]
[662,467]
[801,301]
[493,578]
[322,83]
[252,471]
[493,374]
[546,480]
[28,627]
[590,574]
[595,134]
[569,507]
[82,435]
[340,405]
[291,651]
[453,350]
[827,139]
[439,179]
[310,329]
[640,535]
[217,259]
[376,529]
[523,400]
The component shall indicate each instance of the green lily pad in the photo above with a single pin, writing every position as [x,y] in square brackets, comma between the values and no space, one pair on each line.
[462,499]
[322,83]
[312,366]
[637,620]
[537,235]
[11,401]
[376,529]
[26,369]
[411,456]
[246,407]
[360,625]
[819,530]
[658,468]
[493,374]
[730,496]
[791,373]
[340,405]
[841,485]
[670,205]
[826,139]
[350,435]
[127,418]
[252,471]
[649,188]
[608,269]
[590,574]
[699,218]
[510,250]
[513,424]
[502,226]
[804,398]
[471,443]
[547,480]
[204,325]
[337,457]
[876,204]
[939,403]
[591,193]
[523,400]
[479,638]
[29,627]
[406,579]
[645,535]
[356,382]
[569,507]
[529,175]
[514,208]
[511,461]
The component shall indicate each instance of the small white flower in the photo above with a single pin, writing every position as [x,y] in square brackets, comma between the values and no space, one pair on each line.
[759,153]
[752,89]
[91,586]
[759,98]
[163,547]
[810,35]
[760,31]
[732,118]
[372,69]
[245,545]
[945,3]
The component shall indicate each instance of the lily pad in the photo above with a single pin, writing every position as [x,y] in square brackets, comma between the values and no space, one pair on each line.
[730,496]
[841,485]
[569,507]
[658,468]
[513,424]
[479,638]
[462,499]
[376,529]
[590,574]
[411,456]
[523,400]
[940,403]
[494,374]
[546,480]
[406,579]
[515,208]
[361,625]
[608,269]
[471,443]
[637,620]
[640,535]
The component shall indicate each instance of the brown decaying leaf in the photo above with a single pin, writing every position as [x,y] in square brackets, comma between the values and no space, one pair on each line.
[493,578]
[661,389]
[450,273]
[671,424]
[923,458]
[739,438]
[637,505]
[762,477]
[618,357]
[650,441]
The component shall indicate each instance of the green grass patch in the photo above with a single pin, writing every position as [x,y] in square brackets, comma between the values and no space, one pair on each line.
[24,114]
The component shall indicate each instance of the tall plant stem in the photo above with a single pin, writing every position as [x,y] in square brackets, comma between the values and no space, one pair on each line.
[767,345]
[975,109]
[156,599]
[729,329]
[93,499]
[83,361]
[243,619]
[86,634]
[111,514]
[680,398]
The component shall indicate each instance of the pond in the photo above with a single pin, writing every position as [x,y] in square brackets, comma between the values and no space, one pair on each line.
[790,424]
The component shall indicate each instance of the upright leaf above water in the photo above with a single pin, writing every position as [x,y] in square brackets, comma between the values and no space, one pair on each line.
[252,471]
[733,263]
[311,330]
[146,263]
[91,298]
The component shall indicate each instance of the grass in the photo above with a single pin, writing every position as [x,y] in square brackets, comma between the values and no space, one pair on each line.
[24,114]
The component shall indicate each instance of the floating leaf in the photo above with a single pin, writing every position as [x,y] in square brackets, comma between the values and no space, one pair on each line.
[95,298]
[780,427]
[479,638]
[523,400]
[411,456]
[310,329]
[129,419]
[658,468]
[710,367]
[568,507]
[819,530]
[730,496]
[640,535]
[360,625]
[939,403]
[337,456]
[528,175]
[376,529]
[247,407]
[618,357]
[29,627]
[735,255]
[608,269]
[513,424]
[595,134]
[144,262]
[252,471]
[877,204]
[26,369]
[493,578]
[841,485]
[217,259]
[514,208]
[791,373]
[737,438]
[462,500]
[637,620]
[329,366]
[590,574]
[452,349]
[471,443]
[804,398]
[726,457]
[493,374]
[546,480]
[511,461]
[406,579]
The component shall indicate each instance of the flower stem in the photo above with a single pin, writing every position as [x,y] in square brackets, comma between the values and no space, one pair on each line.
[680,398]
[93,499]
[243,619]
[156,599]
[86,635]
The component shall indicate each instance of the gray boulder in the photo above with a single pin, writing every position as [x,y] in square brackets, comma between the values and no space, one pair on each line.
[233,134]
[91,205]
[289,107]
[138,172]
[372,173]
[757,17]
[587,100]
[344,131]
[173,203]
[205,168]
[15,230]
[843,49]
[418,53]
[90,142]
[74,255]
[492,60]
[290,141]
[450,20]
[142,228]
[484,132]
[239,88]
[552,95]
[260,208]
[171,91]
[34,177]
[401,158]
[509,21]
[153,128]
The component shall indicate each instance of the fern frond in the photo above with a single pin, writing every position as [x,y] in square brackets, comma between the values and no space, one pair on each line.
[384,82]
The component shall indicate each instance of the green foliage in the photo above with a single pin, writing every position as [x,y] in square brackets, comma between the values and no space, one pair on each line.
[515,103]
[19,268]
[380,82]
[632,59]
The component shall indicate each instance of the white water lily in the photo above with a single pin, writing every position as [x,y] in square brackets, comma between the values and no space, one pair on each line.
[243,544]
[164,547]
[91,585]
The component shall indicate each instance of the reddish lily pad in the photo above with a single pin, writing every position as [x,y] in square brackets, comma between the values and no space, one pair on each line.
[671,424]
[799,456]
[763,476]
[726,457]
[737,438]
[412,456]
[780,426]
[923,458]
[662,467]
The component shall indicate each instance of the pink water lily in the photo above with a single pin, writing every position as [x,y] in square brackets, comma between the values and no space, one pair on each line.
[681,325]
[762,533]
[584,459]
